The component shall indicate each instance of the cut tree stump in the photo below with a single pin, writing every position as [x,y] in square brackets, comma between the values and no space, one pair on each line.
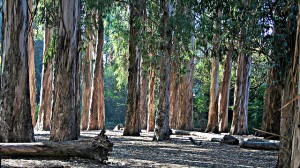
[260,145]
[96,148]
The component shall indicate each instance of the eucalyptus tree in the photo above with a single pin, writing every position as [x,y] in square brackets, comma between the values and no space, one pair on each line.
[15,112]
[66,115]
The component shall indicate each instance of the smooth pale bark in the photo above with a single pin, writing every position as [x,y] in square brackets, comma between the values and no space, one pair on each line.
[237,94]
[212,124]
[32,82]
[243,116]
[174,95]
[185,120]
[162,129]
[43,122]
[132,123]
[65,116]
[15,116]
[224,92]
[143,95]
[87,81]
[272,102]
[150,123]
[97,113]
[295,161]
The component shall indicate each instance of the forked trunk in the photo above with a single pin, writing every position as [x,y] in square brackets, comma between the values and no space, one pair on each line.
[15,116]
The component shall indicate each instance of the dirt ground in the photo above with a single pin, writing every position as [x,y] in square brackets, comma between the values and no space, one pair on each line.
[143,152]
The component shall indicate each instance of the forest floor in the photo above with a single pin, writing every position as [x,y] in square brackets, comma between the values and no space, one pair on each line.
[143,152]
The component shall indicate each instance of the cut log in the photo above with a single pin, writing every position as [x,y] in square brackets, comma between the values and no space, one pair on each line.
[260,145]
[228,139]
[96,148]
[181,132]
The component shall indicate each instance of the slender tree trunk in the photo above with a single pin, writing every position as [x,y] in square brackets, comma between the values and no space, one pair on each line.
[43,123]
[243,117]
[162,129]
[174,95]
[212,125]
[143,95]
[65,121]
[272,102]
[87,82]
[295,161]
[150,123]
[237,94]
[97,113]
[32,83]
[15,116]
[225,91]
[132,126]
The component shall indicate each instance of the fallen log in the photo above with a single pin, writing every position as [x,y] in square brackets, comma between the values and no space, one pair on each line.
[260,145]
[228,139]
[96,148]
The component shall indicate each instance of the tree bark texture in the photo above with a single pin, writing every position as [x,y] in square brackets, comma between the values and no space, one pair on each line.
[96,148]
[66,115]
[260,145]
[45,111]
[243,116]
[224,92]
[185,119]
[162,129]
[212,124]
[295,161]
[97,113]
[174,95]
[143,94]
[272,102]
[87,81]
[15,116]
[132,123]
[151,118]
[237,94]
[32,82]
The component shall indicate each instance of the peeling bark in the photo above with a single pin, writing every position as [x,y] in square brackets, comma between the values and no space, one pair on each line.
[15,116]
[150,123]
[65,116]
[143,95]
[174,96]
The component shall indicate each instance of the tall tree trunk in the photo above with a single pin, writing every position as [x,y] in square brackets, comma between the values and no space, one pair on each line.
[65,121]
[150,123]
[212,124]
[43,123]
[143,95]
[97,113]
[132,126]
[225,91]
[174,95]
[243,117]
[15,116]
[272,102]
[162,129]
[32,83]
[295,161]
[87,81]
[237,94]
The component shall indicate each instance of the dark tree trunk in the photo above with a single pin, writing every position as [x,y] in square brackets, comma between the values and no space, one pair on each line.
[15,116]
[65,116]
[132,123]
[162,129]
[225,91]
